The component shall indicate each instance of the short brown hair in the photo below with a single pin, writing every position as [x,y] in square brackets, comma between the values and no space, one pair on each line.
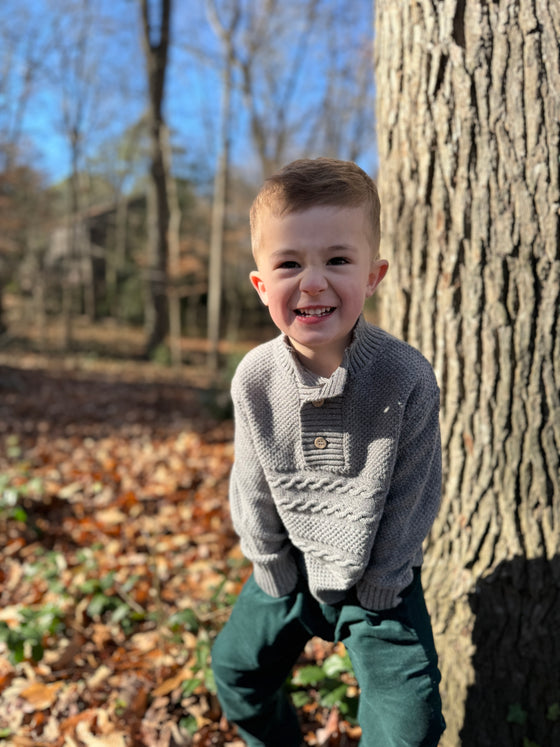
[311,182]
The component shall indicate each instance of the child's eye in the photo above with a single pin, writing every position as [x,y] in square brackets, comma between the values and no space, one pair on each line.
[288,264]
[338,261]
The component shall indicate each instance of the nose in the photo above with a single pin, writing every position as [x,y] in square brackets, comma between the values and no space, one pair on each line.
[313,281]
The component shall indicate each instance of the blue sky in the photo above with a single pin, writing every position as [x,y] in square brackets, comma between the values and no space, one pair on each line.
[118,97]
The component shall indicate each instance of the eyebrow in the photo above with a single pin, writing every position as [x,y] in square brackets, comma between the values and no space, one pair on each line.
[333,249]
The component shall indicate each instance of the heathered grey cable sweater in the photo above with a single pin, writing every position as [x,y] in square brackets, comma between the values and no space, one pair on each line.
[338,478]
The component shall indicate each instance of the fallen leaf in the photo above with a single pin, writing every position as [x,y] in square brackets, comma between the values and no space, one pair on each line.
[111,515]
[98,677]
[330,730]
[170,684]
[41,696]
[116,739]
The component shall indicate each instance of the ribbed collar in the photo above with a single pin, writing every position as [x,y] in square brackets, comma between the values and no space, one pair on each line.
[365,346]
[366,342]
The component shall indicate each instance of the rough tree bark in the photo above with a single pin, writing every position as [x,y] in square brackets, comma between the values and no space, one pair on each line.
[469,144]
[156,44]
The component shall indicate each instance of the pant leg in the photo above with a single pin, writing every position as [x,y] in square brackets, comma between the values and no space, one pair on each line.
[395,663]
[252,658]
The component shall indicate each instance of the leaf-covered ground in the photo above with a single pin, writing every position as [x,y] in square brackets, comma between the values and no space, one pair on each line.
[118,564]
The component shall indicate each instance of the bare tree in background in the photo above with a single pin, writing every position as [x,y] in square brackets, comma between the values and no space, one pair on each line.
[23,41]
[270,74]
[469,146]
[156,45]
[224,24]
[270,53]
[80,78]
[75,78]
[21,48]
[344,113]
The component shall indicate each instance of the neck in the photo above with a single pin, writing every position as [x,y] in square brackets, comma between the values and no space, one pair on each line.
[322,363]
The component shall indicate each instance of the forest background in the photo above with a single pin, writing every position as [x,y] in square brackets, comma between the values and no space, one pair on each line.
[133,137]
[139,136]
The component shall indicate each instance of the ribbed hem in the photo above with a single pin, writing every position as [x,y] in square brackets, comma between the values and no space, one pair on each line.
[377,598]
[277,579]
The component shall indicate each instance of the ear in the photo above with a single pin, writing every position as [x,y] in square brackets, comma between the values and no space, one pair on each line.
[377,273]
[258,285]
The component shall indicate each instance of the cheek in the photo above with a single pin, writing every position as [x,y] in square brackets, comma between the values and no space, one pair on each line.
[275,306]
[278,306]
[356,295]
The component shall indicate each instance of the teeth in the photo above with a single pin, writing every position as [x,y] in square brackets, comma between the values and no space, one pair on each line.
[315,312]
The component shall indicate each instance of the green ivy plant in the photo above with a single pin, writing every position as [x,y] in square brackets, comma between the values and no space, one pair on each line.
[329,682]
[27,639]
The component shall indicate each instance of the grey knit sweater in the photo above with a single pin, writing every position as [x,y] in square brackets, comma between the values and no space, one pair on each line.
[337,478]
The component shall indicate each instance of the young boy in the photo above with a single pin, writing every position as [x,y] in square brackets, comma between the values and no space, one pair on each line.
[337,472]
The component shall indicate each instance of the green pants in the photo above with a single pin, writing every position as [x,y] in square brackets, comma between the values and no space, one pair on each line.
[392,653]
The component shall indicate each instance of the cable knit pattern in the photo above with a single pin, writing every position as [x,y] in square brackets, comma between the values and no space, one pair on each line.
[337,478]
[314,483]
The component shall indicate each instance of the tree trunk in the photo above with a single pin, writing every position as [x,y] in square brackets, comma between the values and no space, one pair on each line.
[174,264]
[158,218]
[469,131]
[3,326]
[215,263]
[225,31]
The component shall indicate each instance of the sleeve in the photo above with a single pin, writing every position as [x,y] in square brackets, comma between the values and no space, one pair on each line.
[411,504]
[264,539]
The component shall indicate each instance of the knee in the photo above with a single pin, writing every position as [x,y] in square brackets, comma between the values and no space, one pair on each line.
[233,666]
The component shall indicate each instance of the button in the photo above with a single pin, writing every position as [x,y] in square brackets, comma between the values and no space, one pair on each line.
[318,402]
[320,442]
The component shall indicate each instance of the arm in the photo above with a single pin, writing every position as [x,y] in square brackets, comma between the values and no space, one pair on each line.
[264,539]
[411,505]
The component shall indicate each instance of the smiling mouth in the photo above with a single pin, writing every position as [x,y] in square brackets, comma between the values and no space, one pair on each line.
[319,311]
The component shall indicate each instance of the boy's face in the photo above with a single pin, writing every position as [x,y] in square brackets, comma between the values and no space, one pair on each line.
[315,270]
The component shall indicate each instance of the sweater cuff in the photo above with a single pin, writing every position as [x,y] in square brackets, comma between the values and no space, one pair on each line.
[377,598]
[278,578]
